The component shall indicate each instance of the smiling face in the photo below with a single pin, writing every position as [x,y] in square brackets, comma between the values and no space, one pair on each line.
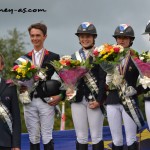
[123,41]
[86,40]
[37,38]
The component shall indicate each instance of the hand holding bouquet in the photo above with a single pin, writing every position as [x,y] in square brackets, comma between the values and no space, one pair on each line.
[70,71]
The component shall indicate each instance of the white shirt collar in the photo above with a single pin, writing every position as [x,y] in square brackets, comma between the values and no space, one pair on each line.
[39,52]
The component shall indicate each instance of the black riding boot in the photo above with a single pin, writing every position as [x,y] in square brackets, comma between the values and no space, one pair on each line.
[49,146]
[134,146]
[116,147]
[81,146]
[98,146]
[34,146]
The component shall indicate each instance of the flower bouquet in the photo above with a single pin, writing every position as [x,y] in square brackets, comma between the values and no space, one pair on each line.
[26,74]
[108,57]
[70,71]
[143,65]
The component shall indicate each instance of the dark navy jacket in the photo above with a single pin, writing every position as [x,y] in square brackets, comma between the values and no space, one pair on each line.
[10,100]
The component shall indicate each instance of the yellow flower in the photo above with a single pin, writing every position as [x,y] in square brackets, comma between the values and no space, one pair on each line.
[102,52]
[23,73]
[23,76]
[105,56]
[17,77]
[24,63]
[18,70]
[112,50]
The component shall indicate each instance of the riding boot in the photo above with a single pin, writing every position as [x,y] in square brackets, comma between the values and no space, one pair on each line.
[49,146]
[34,146]
[81,146]
[114,147]
[134,146]
[98,146]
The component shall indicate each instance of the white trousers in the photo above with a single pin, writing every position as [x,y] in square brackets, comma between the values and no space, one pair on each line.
[115,114]
[85,118]
[147,112]
[39,119]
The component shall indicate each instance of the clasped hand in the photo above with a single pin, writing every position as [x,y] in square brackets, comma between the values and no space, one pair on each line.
[70,93]
[93,104]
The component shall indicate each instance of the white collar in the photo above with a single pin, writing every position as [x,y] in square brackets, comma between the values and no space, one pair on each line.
[40,51]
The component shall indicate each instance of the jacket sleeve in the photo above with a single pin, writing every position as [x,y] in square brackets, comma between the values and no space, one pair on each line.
[141,90]
[16,126]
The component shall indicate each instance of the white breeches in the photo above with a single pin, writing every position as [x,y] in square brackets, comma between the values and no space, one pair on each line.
[147,112]
[115,114]
[39,119]
[85,118]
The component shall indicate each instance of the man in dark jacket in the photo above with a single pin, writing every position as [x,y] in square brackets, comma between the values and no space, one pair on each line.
[39,113]
[10,124]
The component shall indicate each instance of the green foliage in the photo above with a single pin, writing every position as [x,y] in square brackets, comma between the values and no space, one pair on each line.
[12,47]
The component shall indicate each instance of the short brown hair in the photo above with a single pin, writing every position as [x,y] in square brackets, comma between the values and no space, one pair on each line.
[1,59]
[39,26]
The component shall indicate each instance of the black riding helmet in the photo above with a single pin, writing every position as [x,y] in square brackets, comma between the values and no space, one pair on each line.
[147,29]
[86,27]
[48,88]
[124,30]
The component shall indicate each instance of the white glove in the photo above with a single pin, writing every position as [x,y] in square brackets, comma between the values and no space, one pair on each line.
[130,91]
[109,78]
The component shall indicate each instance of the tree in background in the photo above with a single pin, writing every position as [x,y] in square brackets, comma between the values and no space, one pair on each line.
[12,47]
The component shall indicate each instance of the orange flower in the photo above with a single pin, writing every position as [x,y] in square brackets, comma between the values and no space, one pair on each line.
[108,48]
[63,62]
